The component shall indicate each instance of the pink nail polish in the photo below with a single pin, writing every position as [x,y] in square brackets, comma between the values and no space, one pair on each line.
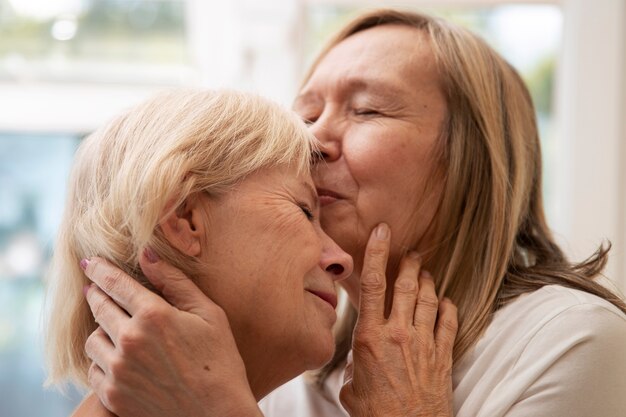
[86,289]
[84,263]
[151,255]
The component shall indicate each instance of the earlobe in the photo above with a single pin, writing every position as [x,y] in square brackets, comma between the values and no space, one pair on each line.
[184,227]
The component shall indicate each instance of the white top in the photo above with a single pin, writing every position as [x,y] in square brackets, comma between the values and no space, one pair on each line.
[555,352]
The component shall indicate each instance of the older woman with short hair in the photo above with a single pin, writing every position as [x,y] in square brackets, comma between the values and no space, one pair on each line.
[218,184]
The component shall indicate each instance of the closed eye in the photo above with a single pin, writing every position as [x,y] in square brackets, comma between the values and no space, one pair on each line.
[308,120]
[307,211]
[366,112]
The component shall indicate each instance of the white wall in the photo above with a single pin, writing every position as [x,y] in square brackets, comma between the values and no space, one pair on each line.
[591,113]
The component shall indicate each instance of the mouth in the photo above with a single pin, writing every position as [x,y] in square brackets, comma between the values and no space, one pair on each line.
[330,298]
[327,197]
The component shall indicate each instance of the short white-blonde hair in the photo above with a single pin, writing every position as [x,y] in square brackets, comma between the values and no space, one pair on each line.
[127,173]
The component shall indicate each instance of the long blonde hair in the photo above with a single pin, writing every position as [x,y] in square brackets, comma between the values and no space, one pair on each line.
[492,240]
[127,173]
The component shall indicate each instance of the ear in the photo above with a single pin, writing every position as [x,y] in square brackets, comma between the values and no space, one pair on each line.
[186,226]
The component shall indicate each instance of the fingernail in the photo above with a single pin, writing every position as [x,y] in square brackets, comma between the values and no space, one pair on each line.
[415,255]
[86,289]
[382,231]
[426,274]
[151,255]
[84,263]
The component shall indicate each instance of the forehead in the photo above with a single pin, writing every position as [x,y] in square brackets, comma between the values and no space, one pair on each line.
[276,179]
[385,57]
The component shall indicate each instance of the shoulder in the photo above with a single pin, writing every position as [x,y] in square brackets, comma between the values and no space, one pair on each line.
[555,318]
[545,350]
[567,321]
[555,306]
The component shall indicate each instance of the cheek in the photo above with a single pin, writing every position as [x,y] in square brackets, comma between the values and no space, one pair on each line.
[395,175]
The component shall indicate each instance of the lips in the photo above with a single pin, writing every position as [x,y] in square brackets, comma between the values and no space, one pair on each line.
[327,196]
[330,298]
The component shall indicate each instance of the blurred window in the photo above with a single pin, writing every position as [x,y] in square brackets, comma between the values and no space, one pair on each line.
[93,41]
[33,174]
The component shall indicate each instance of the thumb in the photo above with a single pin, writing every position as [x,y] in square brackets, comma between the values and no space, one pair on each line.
[347,398]
[176,287]
[348,371]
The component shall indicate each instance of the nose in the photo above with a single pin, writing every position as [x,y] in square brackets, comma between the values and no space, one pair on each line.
[337,263]
[329,137]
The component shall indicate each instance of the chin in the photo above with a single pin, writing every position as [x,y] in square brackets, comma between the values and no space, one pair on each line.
[323,353]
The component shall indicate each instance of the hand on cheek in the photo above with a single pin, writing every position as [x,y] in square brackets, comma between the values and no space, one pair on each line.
[401,365]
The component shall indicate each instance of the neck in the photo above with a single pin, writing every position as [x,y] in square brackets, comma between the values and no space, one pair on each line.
[265,374]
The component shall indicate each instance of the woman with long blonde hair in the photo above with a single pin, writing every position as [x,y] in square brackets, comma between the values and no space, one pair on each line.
[423,126]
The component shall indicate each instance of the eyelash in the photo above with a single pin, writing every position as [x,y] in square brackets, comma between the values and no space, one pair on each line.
[309,120]
[307,211]
[365,112]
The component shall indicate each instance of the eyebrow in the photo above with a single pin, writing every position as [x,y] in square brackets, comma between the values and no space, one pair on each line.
[313,193]
[372,86]
[359,84]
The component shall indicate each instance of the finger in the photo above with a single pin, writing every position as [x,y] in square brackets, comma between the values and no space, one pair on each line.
[108,315]
[95,377]
[373,282]
[447,328]
[427,305]
[176,287]
[405,290]
[100,349]
[124,290]
[347,375]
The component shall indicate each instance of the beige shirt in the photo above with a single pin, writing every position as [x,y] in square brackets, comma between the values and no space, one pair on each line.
[556,352]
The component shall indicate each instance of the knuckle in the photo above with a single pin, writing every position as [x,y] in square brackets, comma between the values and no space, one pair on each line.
[111,280]
[399,335]
[428,300]
[363,339]
[451,325]
[373,282]
[406,285]
[129,338]
[100,307]
[116,367]
[153,315]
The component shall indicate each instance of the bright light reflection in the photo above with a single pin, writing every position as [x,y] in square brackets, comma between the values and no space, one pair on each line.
[23,256]
[64,29]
